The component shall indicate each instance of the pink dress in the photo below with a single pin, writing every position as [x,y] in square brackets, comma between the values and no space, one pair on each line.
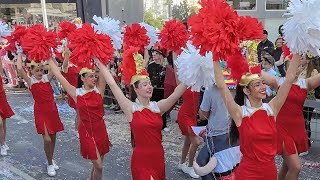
[45,108]
[290,121]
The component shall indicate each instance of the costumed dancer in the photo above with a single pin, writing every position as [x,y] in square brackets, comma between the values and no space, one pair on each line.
[5,113]
[144,116]
[88,95]
[46,115]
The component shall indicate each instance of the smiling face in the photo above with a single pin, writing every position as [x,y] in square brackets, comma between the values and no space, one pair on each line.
[37,72]
[89,79]
[144,88]
[256,89]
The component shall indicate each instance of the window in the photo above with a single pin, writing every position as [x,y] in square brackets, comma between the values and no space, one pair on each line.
[277,4]
[243,4]
[30,13]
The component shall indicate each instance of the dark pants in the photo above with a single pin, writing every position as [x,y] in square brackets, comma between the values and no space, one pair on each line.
[307,113]
[220,143]
[158,95]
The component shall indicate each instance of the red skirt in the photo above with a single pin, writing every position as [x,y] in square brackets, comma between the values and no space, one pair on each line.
[254,170]
[93,135]
[71,102]
[185,124]
[46,115]
[147,162]
[5,109]
[292,142]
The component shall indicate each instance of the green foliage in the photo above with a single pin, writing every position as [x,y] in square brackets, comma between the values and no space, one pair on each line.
[182,12]
[151,20]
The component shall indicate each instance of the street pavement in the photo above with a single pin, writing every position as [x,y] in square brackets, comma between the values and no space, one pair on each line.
[26,159]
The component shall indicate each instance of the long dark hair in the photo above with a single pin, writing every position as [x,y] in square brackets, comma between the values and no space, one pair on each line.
[239,99]
[80,82]
[133,94]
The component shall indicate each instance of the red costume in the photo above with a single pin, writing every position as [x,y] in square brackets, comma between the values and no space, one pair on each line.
[5,109]
[45,108]
[292,134]
[92,130]
[72,77]
[258,144]
[148,156]
[187,115]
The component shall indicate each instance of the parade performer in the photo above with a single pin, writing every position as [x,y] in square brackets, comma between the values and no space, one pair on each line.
[46,115]
[144,116]
[88,95]
[5,113]
[292,135]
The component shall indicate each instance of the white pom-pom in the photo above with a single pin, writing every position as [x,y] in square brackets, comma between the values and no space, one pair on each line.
[4,30]
[302,29]
[194,70]
[110,27]
[151,33]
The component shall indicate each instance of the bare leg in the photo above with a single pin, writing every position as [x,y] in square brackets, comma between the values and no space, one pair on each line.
[195,142]
[283,171]
[76,121]
[53,144]
[2,132]
[294,166]
[97,167]
[185,149]
[47,146]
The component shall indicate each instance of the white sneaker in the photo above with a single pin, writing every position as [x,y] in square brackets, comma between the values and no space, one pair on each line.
[56,167]
[304,153]
[51,170]
[6,146]
[3,150]
[166,129]
[183,167]
[192,173]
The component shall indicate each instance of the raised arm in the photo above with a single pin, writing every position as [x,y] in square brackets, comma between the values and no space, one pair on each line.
[165,104]
[71,90]
[233,108]
[124,102]
[270,80]
[21,70]
[277,102]
[65,63]
[101,85]
[313,82]
[146,57]
[1,67]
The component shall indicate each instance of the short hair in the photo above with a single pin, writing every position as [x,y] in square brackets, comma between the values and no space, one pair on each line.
[265,32]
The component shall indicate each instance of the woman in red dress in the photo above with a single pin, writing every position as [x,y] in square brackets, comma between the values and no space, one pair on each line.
[147,161]
[254,121]
[94,140]
[187,117]
[71,74]
[5,113]
[46,114]
[292,136]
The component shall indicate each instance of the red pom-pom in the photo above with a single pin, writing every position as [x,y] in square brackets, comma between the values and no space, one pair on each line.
[255,69]
[65,29]
[174,36]
[238,66]
[250,28]
[38,43]
[136,36]
[16,36]
[214,29]
[286,51]
[129,66]
[86,44]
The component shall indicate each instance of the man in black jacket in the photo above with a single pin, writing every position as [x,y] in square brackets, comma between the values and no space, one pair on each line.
[265,45]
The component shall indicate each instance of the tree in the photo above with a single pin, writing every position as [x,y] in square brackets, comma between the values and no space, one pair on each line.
[149,19]
[182,12]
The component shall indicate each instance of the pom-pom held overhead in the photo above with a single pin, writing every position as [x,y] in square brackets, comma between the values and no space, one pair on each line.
[151,33]
[86,44]
[250,28]
[4,30]
[135,35]
[110,27]
[173,36]
[15,38]
[214,29]
[194,70]
[130,64]
[302,29]
[65,29]
[38,43]
[239,66]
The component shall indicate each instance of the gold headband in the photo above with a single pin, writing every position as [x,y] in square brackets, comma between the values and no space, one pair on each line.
[138,60]
[86,70]
[42,64]
[138,77]
[248,78]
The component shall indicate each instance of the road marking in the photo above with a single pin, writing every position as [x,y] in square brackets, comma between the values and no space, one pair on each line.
[19,172]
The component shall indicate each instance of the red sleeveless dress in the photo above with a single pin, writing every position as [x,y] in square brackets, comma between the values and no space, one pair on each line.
[258,144]
[187,115]
[92,130]
[72,77]
[5,109]
[290,121]
[45,108]
[148,156]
